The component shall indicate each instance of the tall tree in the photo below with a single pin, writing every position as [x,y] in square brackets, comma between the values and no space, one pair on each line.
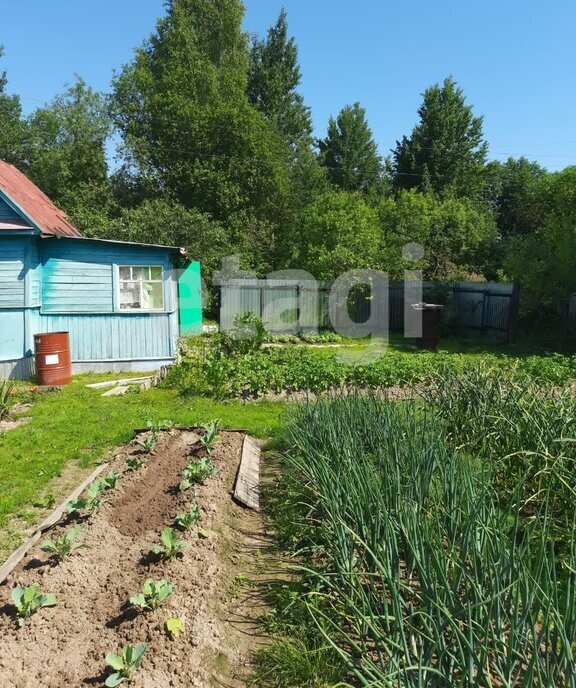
[68,143]
[516,196]
[12,127]
[273,79]
[544,261]
[338,232]
[446,152]
[189,129]
[456,235]
[349,151]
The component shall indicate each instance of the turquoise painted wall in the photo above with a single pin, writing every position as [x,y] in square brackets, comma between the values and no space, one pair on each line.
[190,299]
[19,294]
[50,285]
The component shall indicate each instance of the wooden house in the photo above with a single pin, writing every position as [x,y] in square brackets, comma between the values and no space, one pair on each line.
[124,304]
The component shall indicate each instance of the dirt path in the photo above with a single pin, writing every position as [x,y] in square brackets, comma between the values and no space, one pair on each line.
[66,645]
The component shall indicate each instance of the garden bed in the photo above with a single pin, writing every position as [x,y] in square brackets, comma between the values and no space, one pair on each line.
[67,644]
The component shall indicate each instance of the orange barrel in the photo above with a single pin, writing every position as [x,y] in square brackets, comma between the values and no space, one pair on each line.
[53,364]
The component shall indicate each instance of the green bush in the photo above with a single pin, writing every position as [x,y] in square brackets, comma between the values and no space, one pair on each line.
[247,334]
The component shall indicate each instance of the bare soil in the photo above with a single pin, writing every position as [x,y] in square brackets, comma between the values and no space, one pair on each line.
[66,645]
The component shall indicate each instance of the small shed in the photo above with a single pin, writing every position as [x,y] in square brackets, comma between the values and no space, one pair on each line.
[122,303]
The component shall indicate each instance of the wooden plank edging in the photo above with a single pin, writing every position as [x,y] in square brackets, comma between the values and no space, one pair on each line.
[16,557]
[247,487]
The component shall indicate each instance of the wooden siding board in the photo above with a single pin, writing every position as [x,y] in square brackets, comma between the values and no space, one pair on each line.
[80,278]
[113,336]
[18,264]
[77,286]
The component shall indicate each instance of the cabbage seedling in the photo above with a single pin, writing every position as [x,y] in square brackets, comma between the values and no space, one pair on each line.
[109,481]
[125,664]
[153,594]
[210,437]
[156,428]
[28,601]
[171,546]
[197,472]
[65,544]
[148,444]
[174,627]
[134,464]
[92,502]
[188,519]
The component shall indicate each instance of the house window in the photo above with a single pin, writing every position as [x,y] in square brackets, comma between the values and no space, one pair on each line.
[141,288]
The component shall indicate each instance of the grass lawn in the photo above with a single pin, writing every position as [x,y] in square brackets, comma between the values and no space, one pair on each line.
[78,426]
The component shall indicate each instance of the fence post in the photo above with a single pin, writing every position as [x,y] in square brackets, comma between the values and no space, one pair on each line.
[483,318]
[513,310]
[261,288]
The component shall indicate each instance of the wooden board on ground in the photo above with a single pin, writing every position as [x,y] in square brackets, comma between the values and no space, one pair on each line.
[125,381]
[247,488]
[16,557]
[116,391]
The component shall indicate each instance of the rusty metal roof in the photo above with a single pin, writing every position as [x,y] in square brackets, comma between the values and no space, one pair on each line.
[34,204]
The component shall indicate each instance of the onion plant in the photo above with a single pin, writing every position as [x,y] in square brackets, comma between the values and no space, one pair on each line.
[418,569]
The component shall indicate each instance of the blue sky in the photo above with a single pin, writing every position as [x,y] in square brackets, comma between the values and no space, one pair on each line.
[515,59]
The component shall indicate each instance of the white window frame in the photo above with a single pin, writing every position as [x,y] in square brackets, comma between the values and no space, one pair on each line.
[141,282]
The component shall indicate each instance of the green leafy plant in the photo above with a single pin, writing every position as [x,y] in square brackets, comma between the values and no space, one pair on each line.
[109,481]
[156,427]
[64,545]
[171,544]
[153,594]
[196,472]
[28,601]
[91,502]
[45,502]
[6,390]
[292,369]
[125,664]
[248,333]
[186,520]
[436,547]
[174,627]
[148,444]
[210,436]
[134,463]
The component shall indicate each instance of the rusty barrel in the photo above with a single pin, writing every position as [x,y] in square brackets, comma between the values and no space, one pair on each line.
[53,364]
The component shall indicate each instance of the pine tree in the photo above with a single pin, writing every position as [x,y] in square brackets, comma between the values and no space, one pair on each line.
[349,151]
[273,78]
[446,152]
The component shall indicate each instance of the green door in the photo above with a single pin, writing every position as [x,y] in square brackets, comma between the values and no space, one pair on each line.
[190,300]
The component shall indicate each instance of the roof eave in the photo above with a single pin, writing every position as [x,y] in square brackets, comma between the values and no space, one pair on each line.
[180,250]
